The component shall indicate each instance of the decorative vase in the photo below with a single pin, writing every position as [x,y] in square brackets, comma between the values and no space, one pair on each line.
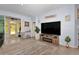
[67,45]
[19,35]
[37,36]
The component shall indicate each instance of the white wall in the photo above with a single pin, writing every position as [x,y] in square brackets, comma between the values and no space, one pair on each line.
[77,23]
[67,27]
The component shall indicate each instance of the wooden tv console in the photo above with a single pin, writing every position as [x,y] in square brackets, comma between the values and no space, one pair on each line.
[54,39]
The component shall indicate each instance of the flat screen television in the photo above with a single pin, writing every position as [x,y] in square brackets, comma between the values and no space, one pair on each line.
[51,28]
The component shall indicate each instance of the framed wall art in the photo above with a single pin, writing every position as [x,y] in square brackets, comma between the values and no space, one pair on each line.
[26,24]
[67,18]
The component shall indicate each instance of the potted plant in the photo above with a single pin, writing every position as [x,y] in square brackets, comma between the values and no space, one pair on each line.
[67,39]
[37,30]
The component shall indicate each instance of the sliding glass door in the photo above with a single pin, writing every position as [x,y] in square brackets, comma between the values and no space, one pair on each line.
[1,30]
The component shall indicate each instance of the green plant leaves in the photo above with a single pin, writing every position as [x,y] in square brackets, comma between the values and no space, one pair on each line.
[37,29]
[67,39]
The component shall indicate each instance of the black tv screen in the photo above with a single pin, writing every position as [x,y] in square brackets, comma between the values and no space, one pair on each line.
[51,28]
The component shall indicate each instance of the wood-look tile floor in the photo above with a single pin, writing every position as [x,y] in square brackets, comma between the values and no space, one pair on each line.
[34,47]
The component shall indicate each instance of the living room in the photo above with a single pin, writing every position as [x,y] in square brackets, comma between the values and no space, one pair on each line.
[69,22]
[65,15]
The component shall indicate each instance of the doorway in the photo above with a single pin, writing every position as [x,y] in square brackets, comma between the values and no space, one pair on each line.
[12,26]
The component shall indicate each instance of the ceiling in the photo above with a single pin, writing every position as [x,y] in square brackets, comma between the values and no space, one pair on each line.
[29,9]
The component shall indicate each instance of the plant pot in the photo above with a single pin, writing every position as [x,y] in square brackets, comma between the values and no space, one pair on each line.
[67,45]
[19,35]
[37,37]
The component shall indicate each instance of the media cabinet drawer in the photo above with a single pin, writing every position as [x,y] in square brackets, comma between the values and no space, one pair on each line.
[54,39]
[47,40]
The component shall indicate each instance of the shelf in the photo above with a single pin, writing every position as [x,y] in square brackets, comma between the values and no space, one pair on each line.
[50,38]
